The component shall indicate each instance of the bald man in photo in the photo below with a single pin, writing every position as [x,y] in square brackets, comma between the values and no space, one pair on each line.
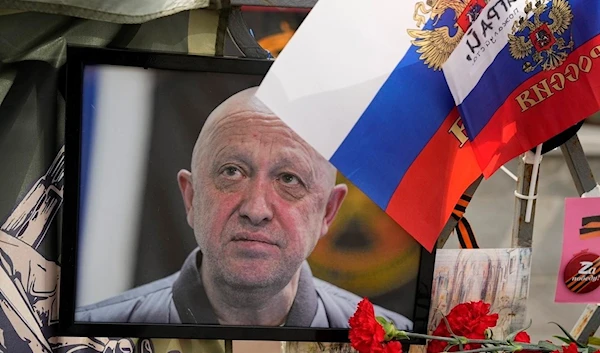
[258,199]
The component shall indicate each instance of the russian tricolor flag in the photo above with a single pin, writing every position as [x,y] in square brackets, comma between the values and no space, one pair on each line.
[354,86]
[524,72]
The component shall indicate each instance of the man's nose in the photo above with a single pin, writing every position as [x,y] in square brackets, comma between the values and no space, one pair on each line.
[255,206]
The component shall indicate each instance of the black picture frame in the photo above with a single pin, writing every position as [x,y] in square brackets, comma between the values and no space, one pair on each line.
[77,59]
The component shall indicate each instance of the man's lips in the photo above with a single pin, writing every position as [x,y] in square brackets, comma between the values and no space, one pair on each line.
[254,237]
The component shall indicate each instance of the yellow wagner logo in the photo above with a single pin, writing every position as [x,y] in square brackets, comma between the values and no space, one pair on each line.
[539,36]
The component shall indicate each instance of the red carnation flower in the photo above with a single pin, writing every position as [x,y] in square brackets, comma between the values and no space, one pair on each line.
[392,347]
[366,334]
[523,337]
[571,348]
[466,319]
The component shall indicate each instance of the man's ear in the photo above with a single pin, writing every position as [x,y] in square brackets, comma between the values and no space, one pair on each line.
[338,194]
[184,179]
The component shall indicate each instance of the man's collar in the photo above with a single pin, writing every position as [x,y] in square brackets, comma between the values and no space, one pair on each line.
[189,296]
[304,307]
[194,307]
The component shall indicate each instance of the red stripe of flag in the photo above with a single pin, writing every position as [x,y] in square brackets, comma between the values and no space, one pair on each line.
[442,168]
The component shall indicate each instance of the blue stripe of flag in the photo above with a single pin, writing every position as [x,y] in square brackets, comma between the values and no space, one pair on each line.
[391,133]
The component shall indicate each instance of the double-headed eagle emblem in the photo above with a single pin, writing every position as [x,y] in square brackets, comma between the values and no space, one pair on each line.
[538,36]
[436,45]
[533,35]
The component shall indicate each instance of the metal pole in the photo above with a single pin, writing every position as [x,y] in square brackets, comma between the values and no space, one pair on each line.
[587,324]
[522,233]
[578,165]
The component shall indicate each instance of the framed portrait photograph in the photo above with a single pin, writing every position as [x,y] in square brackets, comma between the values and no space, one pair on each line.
[192,211]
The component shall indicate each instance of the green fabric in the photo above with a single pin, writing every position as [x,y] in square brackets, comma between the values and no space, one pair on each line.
[115,11]
[31,38]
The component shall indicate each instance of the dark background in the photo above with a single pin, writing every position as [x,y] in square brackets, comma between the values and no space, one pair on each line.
[183,102]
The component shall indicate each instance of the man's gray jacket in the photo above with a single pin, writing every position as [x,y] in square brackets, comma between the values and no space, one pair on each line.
[180,298]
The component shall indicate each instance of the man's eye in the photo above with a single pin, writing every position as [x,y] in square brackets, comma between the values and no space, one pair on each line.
[232,172]
[289,179]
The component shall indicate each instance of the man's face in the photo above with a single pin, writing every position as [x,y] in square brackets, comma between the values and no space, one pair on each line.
[261,200]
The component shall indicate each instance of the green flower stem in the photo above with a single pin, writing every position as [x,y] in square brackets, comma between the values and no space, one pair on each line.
[489,349]
[533,347]
[497,344]
[418,335]
[454,340]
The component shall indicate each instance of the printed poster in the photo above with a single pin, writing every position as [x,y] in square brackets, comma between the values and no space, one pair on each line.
[579,274]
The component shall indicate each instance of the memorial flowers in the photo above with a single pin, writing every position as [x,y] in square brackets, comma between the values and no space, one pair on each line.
[465,329]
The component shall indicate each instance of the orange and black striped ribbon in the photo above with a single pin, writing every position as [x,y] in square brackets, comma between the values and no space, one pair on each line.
[590,227]
[576,282]
[465,234]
